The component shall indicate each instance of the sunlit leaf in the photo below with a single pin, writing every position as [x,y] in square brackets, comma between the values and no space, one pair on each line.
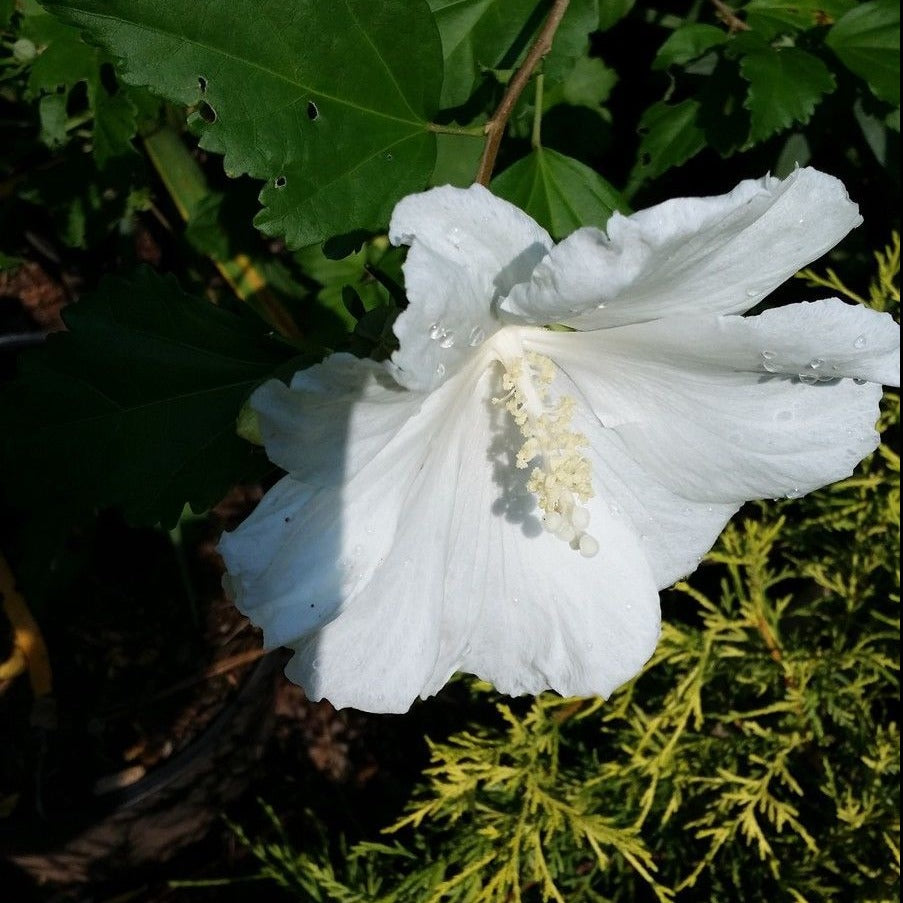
[867,40]
[670,137]
[687,43]
[320,100]
[559,192]
[785,86]
[772,17]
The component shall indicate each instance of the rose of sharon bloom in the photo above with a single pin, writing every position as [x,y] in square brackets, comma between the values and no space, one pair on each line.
[505,499]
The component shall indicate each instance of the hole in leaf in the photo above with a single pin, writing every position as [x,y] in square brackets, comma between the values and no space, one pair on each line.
[279,181]
[206,112]
[202,84]
[108,79]
[312,111]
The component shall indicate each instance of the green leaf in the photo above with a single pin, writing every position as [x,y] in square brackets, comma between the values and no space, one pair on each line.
[8,262]
[135,405]
[559,192]
[323,101]
[612,11]
[687,43]
[785,86]
[63,61]
[774,17]
[670,137]
[588,84]
[867,40]
[52,112]
[483,35]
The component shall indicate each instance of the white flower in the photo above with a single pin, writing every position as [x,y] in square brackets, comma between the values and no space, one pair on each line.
[506,500]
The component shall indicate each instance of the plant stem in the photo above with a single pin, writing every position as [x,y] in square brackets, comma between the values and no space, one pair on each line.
[474,131]
[535,141]
[729,17]
[495,128]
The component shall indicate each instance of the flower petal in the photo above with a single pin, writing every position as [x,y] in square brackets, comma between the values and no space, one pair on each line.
[381,651]
[716,255]
[468,248]
[307,552]
[523,609]
[334,418]
[696,404]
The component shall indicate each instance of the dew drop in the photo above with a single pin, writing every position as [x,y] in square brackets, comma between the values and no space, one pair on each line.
[752,292]
[389,157]
[312,111]
[477,336]
[768,364]
[860,342]
[807,378]
[279,182]
[859,382]
[454,237]
[440,370]
[202,84]
[447,340]
[436,331]
[815,363]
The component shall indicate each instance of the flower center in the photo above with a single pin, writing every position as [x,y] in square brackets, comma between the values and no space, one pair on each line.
[561,477]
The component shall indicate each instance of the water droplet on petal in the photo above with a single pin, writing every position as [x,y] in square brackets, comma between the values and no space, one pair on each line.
[815,363]
[752,292]
[768,364]
[807,378]
[477,336]
[440,370]
[454,236]
[447,340]
[859,382]
[860,342]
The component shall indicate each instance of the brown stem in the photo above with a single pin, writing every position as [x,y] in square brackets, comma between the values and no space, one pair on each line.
[495,128]
[729,17]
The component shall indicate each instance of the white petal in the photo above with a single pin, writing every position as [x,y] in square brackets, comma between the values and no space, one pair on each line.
[468,248]
[523,609]
[306,553]
[696,409]
[334,418]
[715,255]
[381,651]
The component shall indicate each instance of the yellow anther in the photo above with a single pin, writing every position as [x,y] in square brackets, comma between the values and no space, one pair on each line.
[562,476]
